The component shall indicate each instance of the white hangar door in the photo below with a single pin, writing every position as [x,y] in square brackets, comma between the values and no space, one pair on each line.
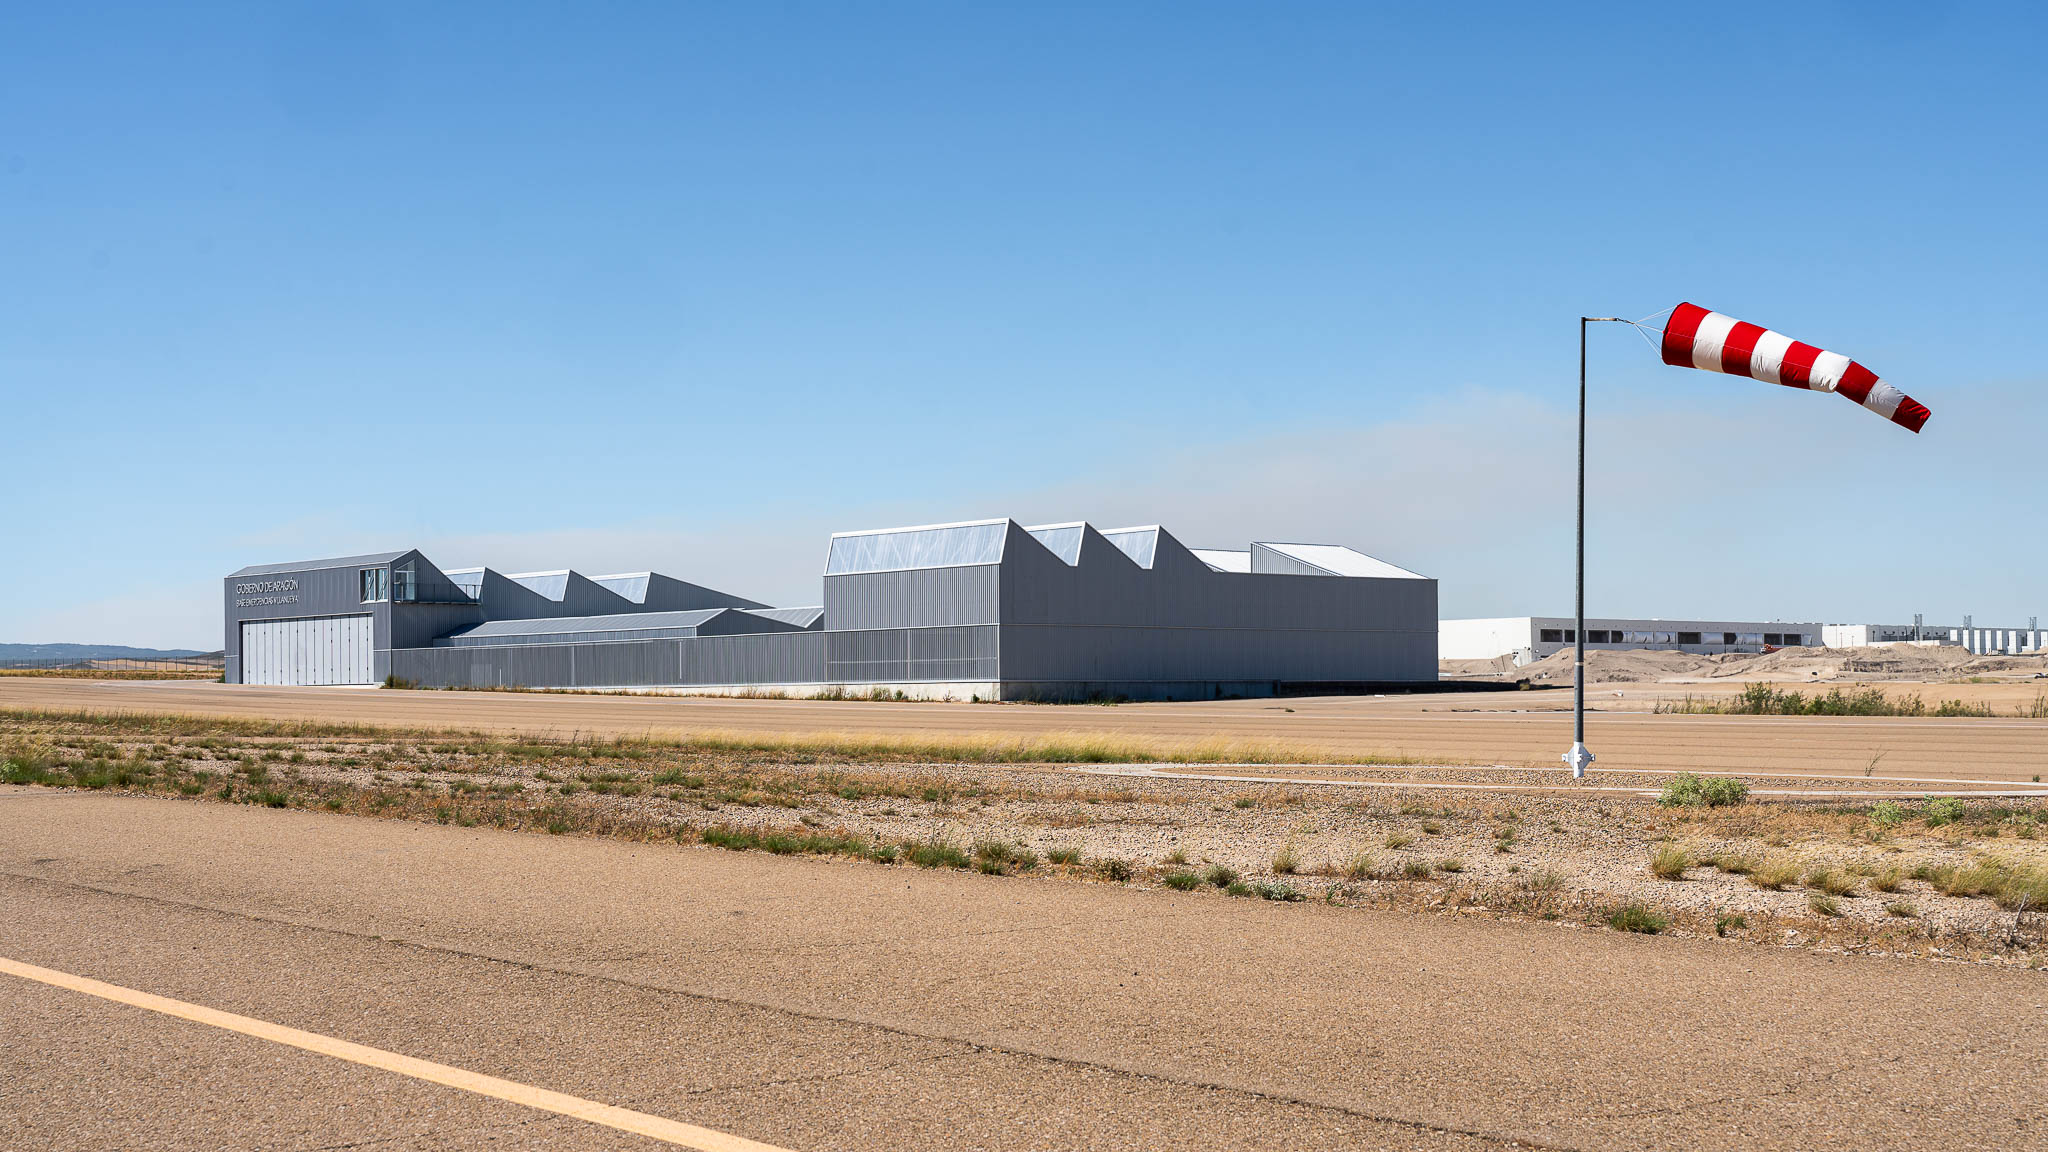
[328,650]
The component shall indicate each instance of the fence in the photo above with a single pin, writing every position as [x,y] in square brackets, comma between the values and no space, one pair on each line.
[210,664]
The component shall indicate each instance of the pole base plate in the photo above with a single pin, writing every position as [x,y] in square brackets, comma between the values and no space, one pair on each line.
[1579,759]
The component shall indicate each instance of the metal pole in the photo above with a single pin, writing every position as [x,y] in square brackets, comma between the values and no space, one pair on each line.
[1579,757]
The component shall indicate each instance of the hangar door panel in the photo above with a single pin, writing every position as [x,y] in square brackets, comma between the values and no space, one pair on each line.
[327,650]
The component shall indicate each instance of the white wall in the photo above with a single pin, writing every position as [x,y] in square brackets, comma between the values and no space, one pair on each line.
[1482,639]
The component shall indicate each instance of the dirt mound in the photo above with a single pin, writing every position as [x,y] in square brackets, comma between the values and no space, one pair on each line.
[1631,666]
[1498,668]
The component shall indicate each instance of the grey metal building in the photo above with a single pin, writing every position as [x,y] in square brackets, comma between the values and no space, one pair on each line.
[988,609]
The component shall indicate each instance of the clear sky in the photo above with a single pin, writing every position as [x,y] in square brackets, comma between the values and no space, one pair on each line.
[690,286]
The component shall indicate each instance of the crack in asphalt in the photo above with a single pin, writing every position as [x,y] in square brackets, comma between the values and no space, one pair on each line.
[973,1047]
[827,1077]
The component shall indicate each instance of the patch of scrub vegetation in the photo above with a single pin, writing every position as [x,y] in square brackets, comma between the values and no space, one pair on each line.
[1669,862]
[1768,700]
[1634,917]
[1691,790]
[982,818]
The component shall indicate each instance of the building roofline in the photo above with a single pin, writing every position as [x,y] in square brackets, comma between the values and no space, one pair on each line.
[922,527]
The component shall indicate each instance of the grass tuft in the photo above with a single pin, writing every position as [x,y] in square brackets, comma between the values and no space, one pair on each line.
[1634,917]
[1287,861]
[1669,862]
[1773,875]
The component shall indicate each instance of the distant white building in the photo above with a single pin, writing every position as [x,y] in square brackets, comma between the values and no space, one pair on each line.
[1531,638]
[1982,641]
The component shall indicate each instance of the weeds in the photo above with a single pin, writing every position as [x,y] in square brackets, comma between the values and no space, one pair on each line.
[1942,810]
[937,853]
[1775,875]
[1634,917]
[1733,863]
[999,857]
[1287,861]
[1829,881]
[1689,790]
[1669,862]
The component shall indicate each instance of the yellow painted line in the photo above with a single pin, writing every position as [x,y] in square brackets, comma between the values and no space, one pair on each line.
[623,1119]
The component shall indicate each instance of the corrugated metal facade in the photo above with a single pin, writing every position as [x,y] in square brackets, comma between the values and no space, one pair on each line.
[777,658]
[1057,611]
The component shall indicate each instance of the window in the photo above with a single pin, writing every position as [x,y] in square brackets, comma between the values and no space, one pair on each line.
[1728,638]
[1551,636]
[1598,636]
[404,586]
[1774,638]
[942,547]
[1688,637]
[376,584]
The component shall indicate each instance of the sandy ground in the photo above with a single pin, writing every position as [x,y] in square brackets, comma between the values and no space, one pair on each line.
[1523,729]
[817,1004]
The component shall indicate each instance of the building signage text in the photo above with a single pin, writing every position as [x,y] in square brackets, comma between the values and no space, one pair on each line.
[263,593]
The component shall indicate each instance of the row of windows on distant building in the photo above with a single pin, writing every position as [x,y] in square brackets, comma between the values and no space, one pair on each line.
[1621,636]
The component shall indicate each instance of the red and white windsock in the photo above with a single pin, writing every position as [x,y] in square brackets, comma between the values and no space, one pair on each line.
[1697,338]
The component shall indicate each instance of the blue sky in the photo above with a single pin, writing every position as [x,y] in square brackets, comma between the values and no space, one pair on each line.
[619,286]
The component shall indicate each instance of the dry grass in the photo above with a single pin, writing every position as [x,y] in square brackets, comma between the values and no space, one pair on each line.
[1287,860]
[1669,862]
[1827,880]
[1047,748]
[1773,875]
[113,673]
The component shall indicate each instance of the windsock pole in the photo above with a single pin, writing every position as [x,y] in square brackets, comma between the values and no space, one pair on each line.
[1578,757]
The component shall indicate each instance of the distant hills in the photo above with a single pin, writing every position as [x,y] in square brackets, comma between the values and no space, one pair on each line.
[91,652]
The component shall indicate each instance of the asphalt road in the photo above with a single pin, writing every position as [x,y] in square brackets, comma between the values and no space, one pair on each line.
[821,1004]
[1518,728]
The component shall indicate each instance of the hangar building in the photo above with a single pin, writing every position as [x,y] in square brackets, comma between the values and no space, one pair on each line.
[988,609]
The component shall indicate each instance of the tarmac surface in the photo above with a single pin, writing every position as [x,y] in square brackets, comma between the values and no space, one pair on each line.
[1515,728]
[821,1004]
